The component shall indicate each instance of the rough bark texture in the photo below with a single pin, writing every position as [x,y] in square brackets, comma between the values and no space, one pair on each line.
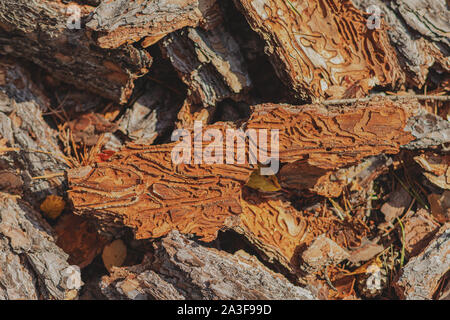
[418,30]
[152,116]
[318,220]
[37,31]
[436,168]
[31,264]
[36,149]
[297,36]
[429,130]
[121,21]
[182,269]
[419,230]
[209,62]
[420,277]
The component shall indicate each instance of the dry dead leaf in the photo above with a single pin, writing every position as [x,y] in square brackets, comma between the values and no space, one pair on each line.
[114,254]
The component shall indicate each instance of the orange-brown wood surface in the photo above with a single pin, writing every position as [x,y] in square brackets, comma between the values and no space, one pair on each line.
[142,188]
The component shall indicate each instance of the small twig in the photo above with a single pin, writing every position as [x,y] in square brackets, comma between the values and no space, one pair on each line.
[402,257]
[61,157]
[412,192]
[352,288]
[327,278]
[294,9]
[400,97]
[49,176]
[337,209]
[7,149]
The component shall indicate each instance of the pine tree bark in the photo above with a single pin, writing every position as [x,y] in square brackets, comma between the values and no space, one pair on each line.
[418,32]
[38,31]
[209,62]
[143,188]
[33,266]
[33,144]
[323,49]
[181,269]
[119,22]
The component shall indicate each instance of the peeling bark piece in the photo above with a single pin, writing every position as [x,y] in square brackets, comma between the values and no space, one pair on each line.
[336,137]
[16,83]
[281,233]
[119,22]
[182,269]
[328,183]
[365,252]
[320,47]
[31,264]
[10,181]
[429,18]
[38,31]
[79,239]
[137,283]
[321,253]
[142,188]
[300,175]
[22,125]
[136,187]
[429,130]
[17,281]
[152,116]
[420,277]
[398,201]
[437,168]
[418,30]
[209,62]
[440,206]
[419,228]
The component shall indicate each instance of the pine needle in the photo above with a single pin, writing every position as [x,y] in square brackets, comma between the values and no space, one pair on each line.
[412,192]
[293,8]
[338,209]
[49,176]
[403,240]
